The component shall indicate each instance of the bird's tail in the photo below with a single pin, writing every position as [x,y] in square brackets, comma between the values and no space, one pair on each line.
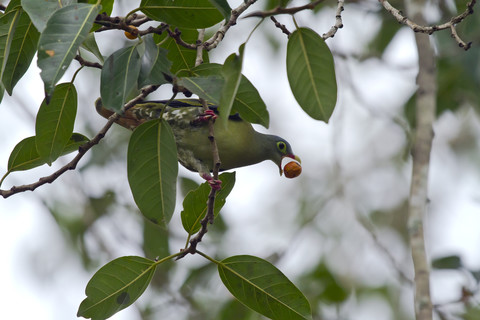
[127,120]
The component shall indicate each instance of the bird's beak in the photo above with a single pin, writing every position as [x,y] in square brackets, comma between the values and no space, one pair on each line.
[294,157]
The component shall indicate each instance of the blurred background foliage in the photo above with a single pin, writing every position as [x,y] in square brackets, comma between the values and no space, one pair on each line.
[339,231]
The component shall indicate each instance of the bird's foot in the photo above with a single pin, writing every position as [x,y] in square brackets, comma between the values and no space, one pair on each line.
[205,117]
[214,184]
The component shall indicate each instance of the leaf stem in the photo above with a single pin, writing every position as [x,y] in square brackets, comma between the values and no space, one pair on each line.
[4,176]
[157,262]
[208,257]
[75,74]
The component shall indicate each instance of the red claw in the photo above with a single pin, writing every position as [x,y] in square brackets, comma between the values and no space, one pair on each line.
[214,184]
[204,117]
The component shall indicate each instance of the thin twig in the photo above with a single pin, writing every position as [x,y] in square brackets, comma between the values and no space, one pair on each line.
[401,18]
[86,63]
[199,58]
[282,10]
[460,42]
[220,34]
[82,150]
[338,21]
[370,228]
[280,26]
[176,35]
[210,214]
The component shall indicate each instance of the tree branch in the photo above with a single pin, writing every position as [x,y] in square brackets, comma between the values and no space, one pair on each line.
[86,63]
[210,214]
[176,35]
[282,10]
[426,98]
[338,21]
[82,150]
[422,28]
[220,34]
[280,26]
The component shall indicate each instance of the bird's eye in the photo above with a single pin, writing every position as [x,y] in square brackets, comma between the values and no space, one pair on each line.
[281,146]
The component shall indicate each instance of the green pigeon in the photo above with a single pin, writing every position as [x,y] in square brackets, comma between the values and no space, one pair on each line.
[238,143]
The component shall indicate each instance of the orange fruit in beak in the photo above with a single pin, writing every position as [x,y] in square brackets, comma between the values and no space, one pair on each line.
[292,169]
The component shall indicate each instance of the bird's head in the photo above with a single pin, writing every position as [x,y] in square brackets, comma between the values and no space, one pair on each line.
[282,150]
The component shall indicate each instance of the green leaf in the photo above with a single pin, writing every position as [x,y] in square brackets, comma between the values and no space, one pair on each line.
[54,123]
[154,64]
[90,44]
[384,36]
[107,5]
[195,203]
[25,155]
[22,49]
[152,170]
[471,313]
[311,73]
[8,24]
[232,73]
[197,14]
[66,29]
[187,185]
[322,284]
[155,240]
[40,11]
[119,77]
[208,88]
[116,286]
[182,58]
[262,287]
[248,102]
[223,7]
[13,5]
[448,262]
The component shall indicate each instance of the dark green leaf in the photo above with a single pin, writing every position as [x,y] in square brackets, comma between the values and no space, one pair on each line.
[54,123]
[234,310]
[187,185]
[154,64]
[208,88]
[13,5]
[119,77]
[155,240]
[232,74]
[262,287]
[195,203]
[107,5]
[25,156]
[152,170]
[66,29]
[385,34]
[90,44]
[182,58]
[323,285]
[223,7]
[197,14]
[472,313]
[40,11]
[22,50]
[311,73]
[8,23]
[448,262]
[248,102]
[116,286]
